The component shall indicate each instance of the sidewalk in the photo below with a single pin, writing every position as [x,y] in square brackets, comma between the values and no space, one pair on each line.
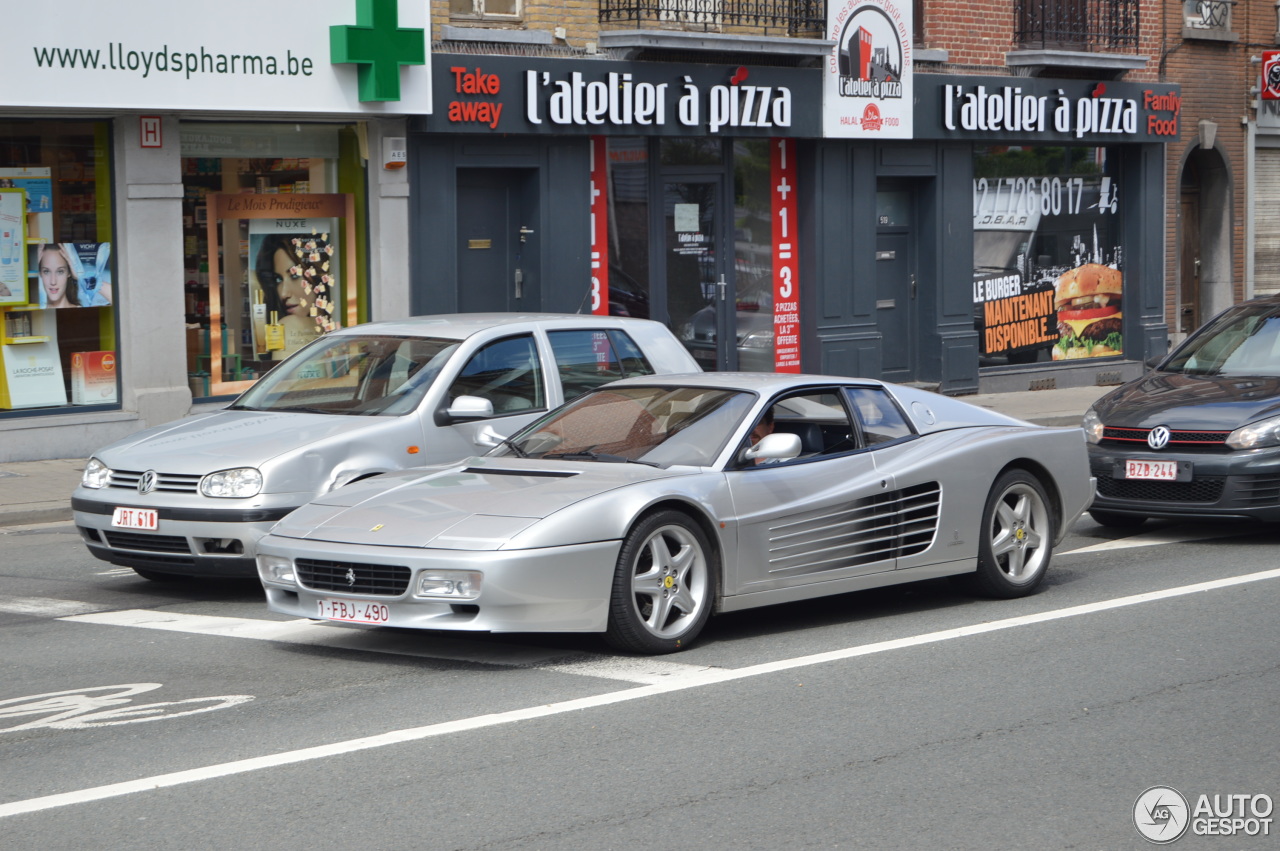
[40,491]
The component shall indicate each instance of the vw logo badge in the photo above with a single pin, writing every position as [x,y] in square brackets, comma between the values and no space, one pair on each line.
[147,482]
[351,577]
[1158,438]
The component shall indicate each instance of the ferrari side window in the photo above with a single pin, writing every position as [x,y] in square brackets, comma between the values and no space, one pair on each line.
[879,417]
[820,421]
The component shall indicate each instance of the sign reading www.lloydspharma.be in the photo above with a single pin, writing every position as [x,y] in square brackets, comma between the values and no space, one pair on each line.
[867,88]
[322,56]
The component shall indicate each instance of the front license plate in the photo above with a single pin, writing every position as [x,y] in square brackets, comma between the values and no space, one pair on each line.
[353,611]
[136,518]
[1163,471]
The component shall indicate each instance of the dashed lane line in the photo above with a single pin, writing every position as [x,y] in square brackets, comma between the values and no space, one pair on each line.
[706,678]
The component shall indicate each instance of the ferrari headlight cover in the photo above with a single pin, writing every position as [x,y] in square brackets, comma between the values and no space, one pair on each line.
[96,474]
[234,484]
[449,584]
[1256,435]
[276,569]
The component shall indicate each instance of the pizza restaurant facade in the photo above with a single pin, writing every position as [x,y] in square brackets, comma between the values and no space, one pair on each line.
[655,189]
[771,231]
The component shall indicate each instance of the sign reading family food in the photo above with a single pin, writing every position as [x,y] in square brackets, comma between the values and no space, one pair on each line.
[507,95]
[867,79]
[951,107]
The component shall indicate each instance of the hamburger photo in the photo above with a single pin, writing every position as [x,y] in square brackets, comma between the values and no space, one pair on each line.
[1087,299]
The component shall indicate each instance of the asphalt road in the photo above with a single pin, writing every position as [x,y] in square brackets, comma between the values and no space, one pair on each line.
[149,715]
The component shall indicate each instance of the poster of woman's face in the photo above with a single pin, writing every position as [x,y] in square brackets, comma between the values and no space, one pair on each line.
[297,283]
[74,274]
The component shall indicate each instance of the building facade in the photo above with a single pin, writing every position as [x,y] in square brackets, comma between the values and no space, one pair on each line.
[871,187]
[159,182]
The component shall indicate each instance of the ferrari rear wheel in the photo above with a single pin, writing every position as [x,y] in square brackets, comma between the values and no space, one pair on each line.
[1017,537]
[1116,520]
[664,585]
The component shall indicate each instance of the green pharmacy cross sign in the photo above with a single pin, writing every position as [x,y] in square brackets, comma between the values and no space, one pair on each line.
[379,46]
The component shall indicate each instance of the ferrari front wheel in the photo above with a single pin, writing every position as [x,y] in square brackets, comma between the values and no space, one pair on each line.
[663,587]
[1017,537]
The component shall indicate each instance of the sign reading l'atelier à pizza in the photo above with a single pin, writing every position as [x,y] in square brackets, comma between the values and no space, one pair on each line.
[502,94]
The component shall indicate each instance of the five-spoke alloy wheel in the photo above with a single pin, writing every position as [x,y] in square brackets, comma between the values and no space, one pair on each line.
[664,586]
[1017,537]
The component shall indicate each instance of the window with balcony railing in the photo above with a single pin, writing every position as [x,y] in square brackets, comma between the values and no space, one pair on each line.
[486,10]
[1207,18]
[1077,24]
[782,16]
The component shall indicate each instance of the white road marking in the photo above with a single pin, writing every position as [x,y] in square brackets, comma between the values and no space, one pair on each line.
[46,606]
[1157,537]
[710,677]
[311,633]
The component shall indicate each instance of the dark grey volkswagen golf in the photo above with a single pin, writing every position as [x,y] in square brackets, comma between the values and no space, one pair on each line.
[1199,436]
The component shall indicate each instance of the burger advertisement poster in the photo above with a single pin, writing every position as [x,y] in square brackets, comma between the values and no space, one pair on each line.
[1048,272]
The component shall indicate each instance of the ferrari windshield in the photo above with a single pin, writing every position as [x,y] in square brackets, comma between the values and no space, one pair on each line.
[357,376]
[662,426]
[1243,341]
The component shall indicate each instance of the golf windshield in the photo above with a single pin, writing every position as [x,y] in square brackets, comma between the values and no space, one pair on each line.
[662,426]
[355,376]
[1243,341]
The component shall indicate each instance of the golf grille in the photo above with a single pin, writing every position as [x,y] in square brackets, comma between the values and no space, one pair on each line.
[165,482]
[1207,489]
[1185,440]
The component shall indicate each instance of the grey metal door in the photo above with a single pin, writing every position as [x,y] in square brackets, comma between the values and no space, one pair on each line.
[895,295]
[498,255]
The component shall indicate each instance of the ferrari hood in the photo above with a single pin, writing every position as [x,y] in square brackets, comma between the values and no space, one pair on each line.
[1203,402]
[197,445]
[476,505]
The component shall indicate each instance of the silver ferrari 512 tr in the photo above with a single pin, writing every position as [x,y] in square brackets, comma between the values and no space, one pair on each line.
[646,505]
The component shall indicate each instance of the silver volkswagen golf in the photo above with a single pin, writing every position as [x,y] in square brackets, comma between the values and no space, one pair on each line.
[193,497]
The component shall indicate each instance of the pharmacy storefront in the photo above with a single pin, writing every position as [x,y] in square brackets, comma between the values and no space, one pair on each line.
[182,205]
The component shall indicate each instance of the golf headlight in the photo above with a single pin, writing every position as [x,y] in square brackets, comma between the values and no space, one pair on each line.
[449,584]
[96,474]
[238,483]
[276,569]
[1092,425]
[1256,435]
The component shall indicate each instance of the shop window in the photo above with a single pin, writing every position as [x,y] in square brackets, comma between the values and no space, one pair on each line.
[628,231]
[57,288]
[264,277]
[505,10]
[753,254]
[1048,277]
